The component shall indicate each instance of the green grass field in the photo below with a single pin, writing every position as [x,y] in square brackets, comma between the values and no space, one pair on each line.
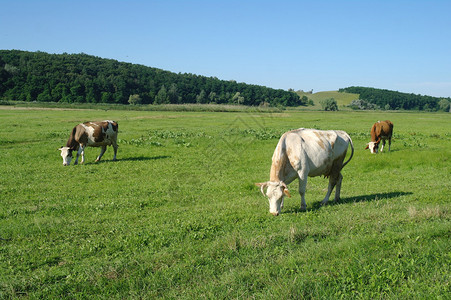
[178,215]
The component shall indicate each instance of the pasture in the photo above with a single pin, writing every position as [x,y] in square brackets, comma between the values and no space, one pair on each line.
[178,215]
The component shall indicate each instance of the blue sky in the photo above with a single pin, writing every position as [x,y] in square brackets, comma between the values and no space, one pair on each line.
[320,45]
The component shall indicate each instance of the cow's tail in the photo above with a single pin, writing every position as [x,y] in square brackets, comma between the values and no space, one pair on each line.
[352,153]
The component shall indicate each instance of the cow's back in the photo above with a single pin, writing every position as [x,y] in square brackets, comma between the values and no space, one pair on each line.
[98,133]
[389,127]
[334,142]
[316,149]
[386,129]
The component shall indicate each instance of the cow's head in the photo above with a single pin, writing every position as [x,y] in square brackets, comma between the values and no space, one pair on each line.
[373,146]
[275,192]
[66,154]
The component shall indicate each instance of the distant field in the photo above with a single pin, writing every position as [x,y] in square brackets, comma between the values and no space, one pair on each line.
[343,99]
[178,215]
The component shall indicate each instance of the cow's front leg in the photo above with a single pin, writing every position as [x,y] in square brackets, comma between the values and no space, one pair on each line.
[383,145]
[302,188]
[81,151]
[102,151]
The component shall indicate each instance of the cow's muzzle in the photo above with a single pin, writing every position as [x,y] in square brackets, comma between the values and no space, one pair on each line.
[275,214]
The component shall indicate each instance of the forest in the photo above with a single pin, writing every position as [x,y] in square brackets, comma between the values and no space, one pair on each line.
[82,78]
[393,100]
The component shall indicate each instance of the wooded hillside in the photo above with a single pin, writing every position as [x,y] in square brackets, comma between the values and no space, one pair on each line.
[80,78]
[386,99]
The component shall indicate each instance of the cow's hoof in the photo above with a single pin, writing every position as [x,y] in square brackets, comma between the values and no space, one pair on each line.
[303,208]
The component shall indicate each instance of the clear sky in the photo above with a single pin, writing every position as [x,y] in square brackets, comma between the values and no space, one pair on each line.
[321,45]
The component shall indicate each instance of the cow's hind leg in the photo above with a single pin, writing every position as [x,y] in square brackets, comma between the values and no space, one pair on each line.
[333,179]
[389,144]
[115,151]
[102,151]
[338,188]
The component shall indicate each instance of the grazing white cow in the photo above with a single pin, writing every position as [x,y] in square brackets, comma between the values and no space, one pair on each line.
[90,134]
[381,130]
[306,152]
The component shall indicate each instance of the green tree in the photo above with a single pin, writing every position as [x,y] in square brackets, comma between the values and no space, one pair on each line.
[237,98]
[444,105]
[212,97]
[44,96]
[173,94]
[76,90]
[202,97]
[329,104]
[118,97]
[162,96]
[134,99]
[59,91]
[105,97]
[90,95]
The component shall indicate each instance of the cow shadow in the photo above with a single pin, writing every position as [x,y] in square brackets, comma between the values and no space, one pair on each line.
[385,152]
[356,199]
[137,158]
[388,152]
[144,158]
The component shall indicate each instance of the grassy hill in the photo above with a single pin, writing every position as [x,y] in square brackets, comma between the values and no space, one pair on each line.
[343,99]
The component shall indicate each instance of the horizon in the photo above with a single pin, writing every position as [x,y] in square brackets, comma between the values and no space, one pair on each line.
[323,46]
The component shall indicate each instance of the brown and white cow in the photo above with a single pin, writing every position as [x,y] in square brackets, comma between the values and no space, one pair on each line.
[306,153]
[90,134]
[381,130]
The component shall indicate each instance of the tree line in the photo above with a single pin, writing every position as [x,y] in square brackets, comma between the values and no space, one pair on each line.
[82,78]
[392,100]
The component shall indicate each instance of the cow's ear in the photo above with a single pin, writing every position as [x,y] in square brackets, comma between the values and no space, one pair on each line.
[262,186]
[287,193]
[59,149]
[367,146]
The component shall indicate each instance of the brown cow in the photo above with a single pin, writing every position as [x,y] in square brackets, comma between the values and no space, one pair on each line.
[381,130]
[90,134]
